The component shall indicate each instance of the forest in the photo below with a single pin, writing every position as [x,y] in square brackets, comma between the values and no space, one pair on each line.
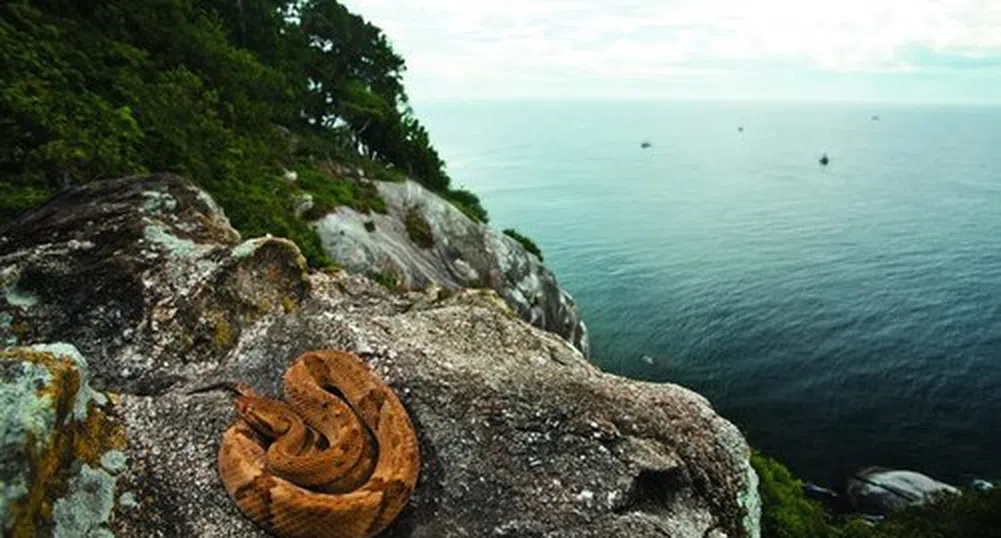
[232,94]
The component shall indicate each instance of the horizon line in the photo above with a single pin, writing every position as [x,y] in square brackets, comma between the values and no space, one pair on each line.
[650,98]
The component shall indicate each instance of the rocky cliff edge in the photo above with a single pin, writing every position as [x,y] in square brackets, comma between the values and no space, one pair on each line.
[451,251]
[119,296]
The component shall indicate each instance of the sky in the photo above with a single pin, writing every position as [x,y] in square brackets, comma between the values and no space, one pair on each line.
[946,51]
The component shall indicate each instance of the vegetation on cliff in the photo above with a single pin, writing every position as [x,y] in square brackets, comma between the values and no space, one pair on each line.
[787,513]
[525,242]
[229,94]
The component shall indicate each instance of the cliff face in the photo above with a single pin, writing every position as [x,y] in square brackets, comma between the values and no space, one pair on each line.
[150,293]
[459,253]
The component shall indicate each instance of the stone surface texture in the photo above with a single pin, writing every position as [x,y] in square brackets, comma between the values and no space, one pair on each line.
[464,253]
[519,434]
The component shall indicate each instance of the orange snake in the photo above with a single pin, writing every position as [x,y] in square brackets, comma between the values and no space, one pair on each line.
[338,460]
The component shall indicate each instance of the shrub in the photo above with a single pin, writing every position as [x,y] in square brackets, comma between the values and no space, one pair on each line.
[418,228]
[785,511]
[386,279]
[329,192]
[525,242]
[468,203]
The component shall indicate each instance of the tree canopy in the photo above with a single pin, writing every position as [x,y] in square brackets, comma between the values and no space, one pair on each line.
[226,92]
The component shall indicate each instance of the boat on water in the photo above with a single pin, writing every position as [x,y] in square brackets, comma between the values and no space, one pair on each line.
[824,160]
[645,144]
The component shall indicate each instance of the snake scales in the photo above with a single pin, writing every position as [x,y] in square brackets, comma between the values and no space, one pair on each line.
[337,459]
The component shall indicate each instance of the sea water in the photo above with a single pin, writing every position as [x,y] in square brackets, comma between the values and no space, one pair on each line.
[840,315]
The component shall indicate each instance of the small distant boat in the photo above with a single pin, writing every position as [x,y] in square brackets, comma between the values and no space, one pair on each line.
[740,129]
[875,117]
[824,160]
[645,144]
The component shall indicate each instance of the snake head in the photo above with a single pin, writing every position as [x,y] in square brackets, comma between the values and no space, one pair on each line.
[238,389]
[268,417]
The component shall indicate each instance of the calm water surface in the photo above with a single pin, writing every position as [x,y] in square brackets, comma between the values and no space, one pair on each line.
[841,315]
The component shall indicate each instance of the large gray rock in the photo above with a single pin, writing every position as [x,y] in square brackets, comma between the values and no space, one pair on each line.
[519,434]
[464,253]
[877,490]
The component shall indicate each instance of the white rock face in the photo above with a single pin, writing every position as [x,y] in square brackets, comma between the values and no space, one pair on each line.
[882,491]
[464,254]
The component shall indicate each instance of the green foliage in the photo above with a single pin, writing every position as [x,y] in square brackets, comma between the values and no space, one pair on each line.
[386,280]
[525,242]
[15,199]
[468,203]
[55,129]
[225,93]
[972,514]
[329,192]
[787,513]
[418,228]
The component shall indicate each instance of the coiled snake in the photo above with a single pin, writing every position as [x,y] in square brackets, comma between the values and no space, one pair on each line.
[339,459]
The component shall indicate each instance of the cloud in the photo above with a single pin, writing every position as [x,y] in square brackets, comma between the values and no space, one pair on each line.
[510,47]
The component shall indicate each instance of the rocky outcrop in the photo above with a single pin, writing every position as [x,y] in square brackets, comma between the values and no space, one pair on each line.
[60,448]
[519,434]
[457,253]
[877,490]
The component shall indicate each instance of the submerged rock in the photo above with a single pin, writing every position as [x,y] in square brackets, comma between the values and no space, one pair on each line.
[519,434]
[460,253]
[877,490]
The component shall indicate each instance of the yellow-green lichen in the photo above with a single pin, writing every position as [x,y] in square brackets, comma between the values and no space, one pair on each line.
[88,506]
[175,246]
[129,500]
[247,248]
[7,335]
[222,332]
[60,427]
[156,203]
[21,330]
[114,461]
[18,297]
[29,418]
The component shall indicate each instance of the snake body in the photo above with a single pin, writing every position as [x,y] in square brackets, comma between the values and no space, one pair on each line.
[339,459]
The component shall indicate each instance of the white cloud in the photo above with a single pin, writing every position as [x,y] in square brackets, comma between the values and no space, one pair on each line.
[531,47]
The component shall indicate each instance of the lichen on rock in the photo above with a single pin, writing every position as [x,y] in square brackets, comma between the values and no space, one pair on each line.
[54,433]
[86,509]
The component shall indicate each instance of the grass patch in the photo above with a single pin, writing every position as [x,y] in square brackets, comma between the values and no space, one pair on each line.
[525,242]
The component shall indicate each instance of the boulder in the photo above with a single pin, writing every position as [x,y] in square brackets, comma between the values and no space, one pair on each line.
[519,434]
[878,490]
[61,448]
[461,253]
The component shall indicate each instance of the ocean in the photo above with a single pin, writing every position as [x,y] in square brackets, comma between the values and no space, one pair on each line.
[840,315]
